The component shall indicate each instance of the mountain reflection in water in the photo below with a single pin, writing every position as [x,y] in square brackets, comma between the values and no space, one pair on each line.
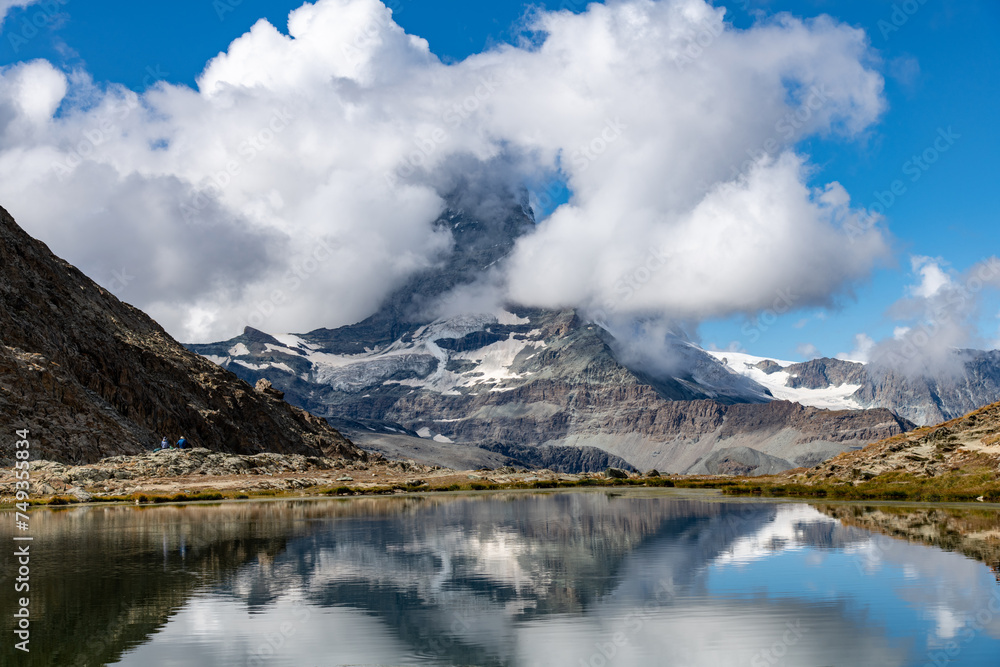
[509,579]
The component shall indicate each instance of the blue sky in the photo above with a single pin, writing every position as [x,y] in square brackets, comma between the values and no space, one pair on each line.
[941,64]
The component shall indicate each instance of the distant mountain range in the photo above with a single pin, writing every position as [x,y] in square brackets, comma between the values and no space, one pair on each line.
[837,384]
[89,376]
[543,388]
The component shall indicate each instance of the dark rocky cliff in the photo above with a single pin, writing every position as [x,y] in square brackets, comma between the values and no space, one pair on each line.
[92,377]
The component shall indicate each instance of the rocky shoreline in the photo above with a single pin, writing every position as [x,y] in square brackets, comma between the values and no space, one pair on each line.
[194,472]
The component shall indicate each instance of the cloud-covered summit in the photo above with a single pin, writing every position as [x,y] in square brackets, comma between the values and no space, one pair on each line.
[301,180]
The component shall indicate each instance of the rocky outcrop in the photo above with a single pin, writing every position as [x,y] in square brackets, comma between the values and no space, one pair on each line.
[969,442]
[822,373]
[744,461]
[89,376]
[559,459]
[178,462]
[831,425]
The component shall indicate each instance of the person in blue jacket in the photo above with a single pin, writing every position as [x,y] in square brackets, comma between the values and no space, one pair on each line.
[182,443]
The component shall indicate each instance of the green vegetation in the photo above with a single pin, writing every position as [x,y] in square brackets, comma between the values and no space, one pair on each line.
[184,497]
[968,484]
[493,486]
[960,486]
[138,498]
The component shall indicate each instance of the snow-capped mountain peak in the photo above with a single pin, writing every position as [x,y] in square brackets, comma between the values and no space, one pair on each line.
[778,376]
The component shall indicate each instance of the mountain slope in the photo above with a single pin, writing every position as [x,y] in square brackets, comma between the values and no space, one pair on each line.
[92,377]
[967,444]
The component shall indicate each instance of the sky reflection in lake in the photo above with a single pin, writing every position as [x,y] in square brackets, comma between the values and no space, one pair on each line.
[559,579]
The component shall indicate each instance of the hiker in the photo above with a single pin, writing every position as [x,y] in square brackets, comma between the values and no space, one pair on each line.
[182,443]
[164,444]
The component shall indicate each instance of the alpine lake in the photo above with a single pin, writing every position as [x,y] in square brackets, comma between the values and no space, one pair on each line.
[583,578]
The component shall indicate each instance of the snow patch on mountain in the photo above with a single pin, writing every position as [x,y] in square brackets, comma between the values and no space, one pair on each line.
[416,361]
[294,342]
[261,367]
[831,398]
[494,360]
[508,318]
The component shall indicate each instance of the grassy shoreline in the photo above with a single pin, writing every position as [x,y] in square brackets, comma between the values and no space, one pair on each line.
[343,491]
[973,486]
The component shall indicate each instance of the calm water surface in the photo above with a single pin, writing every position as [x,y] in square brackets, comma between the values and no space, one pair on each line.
[559,579]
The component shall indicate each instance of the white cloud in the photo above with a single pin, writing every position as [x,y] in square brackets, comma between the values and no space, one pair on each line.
[298,184]
[938,317]
[906,70]
[807,351]
[863,346]
[7,5]
[932,278]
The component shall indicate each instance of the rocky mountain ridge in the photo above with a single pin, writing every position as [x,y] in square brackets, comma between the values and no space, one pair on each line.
[89,376]
[924,400]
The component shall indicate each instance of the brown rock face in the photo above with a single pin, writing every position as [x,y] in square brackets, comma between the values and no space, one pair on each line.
[972,441]
[90,376]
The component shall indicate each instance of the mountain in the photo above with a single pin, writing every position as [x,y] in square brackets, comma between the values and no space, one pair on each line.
[545,387]
[834,383]
[968,446]
[91,377]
